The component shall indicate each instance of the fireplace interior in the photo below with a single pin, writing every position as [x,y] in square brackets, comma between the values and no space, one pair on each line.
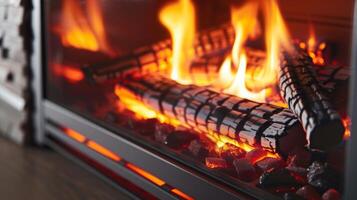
[193,99]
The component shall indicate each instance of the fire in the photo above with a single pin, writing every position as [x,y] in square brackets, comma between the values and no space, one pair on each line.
[83,30]
[129,101]
[70,73]
[179,19]
[261,80]
[238,86]
[276,39]
[347,124]
[314,48]
[141,111]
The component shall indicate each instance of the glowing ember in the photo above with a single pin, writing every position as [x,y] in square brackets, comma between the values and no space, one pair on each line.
[235,76]
[314,48]
[141,111]
[83,30]
[215,163]
[179,19]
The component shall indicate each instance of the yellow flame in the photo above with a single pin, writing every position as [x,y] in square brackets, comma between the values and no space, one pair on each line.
[276,39]
[238,86]
[179,19]
[263,79]
[225,75]
[244,21]
[83,30]
[314,48]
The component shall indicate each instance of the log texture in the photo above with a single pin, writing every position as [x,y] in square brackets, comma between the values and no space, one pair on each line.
[305,97]
[335,80]
[272,128]
[156,57]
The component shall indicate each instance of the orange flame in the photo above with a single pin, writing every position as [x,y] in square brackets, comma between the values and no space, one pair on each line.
[261,80]
[314,48]
[347,124]
[179,19]
[70,73]
[142,111]
[83,30]
[276,39]
[238,86]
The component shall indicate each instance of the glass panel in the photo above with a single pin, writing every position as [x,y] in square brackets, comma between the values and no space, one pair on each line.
[204,82]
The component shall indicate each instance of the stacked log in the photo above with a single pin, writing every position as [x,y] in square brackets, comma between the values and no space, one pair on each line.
[156,57]
[305,97]
[257,124]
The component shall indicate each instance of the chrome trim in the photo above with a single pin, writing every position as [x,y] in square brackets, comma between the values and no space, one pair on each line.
[175,174]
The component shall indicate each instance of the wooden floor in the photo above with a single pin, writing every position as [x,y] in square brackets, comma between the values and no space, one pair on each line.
[37,173]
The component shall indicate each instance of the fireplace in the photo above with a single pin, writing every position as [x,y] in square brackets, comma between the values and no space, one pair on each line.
[193,99]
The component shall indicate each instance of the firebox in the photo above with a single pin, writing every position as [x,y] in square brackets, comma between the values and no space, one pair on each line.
[193,99]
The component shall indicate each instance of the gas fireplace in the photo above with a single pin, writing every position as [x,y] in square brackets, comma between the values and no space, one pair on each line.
[193,99]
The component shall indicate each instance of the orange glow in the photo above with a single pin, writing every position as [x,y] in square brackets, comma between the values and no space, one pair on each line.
[181,194]
[347,124]
[314,48]
[145,174]
[74,135]
[102,150]
[221,141]
[276,39]
[83,28]
[142,111]
[238,86]
[259,83]
[179,19]
[72,74]
[129,101]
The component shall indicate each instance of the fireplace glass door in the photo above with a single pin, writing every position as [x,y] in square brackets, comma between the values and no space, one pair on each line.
[252,94]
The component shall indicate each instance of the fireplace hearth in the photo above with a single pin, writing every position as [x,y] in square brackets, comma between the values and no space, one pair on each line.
[188,99]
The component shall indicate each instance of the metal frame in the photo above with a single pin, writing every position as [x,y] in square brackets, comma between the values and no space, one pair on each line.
[118,169]
[57,147]
[177,175]
[351,163]
[36,68]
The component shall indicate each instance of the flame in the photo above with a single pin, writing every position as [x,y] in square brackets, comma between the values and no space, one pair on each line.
[83,30]
[141,111]
[261,80]
[276,39]
[347,124]
[238,86]
[129,101]
[314,48]
[179,19]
